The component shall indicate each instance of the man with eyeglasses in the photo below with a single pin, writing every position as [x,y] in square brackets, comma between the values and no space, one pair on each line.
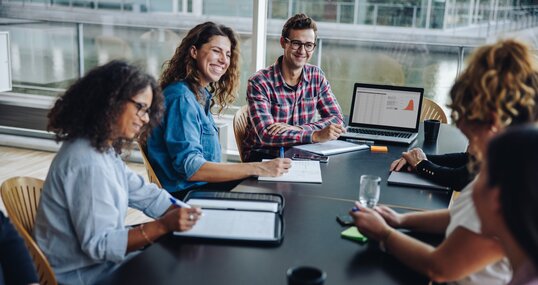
[284,98]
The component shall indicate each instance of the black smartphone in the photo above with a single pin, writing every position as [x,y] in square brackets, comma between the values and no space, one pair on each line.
[345,220]
[303,156]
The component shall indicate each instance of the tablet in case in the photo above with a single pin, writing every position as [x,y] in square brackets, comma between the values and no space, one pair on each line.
[235,216]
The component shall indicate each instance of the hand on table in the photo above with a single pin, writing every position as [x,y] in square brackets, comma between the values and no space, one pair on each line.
[329,133]
[180,219]
[274,167]
[410,159]
[369,222]
[390,216]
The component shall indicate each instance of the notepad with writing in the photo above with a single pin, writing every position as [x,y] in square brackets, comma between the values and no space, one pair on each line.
[331,147]
[300,171]
[252,217]
[413,180]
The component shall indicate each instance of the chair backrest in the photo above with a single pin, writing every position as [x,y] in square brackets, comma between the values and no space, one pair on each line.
[432,111]
[151,174]
[240,122]
[21,197]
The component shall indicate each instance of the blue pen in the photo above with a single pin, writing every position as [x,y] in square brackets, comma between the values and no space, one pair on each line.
[355,209]
[281,152]
[180,204]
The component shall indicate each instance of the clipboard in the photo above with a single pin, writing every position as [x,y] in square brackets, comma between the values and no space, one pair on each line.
[237,217]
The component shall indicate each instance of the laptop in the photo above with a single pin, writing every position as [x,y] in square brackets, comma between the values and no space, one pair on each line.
[384,113]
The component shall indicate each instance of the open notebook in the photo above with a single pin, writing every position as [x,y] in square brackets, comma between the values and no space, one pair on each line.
[237,216]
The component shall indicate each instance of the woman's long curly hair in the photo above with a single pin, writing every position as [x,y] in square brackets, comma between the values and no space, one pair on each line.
[91,107]
[183,67]
[500,83]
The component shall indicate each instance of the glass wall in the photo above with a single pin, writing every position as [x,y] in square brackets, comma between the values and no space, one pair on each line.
[48,56]
[45,58]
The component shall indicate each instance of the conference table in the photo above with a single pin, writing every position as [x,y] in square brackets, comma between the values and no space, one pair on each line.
[311,233]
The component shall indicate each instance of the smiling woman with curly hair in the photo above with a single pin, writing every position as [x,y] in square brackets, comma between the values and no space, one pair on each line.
[80,220]
[184,150]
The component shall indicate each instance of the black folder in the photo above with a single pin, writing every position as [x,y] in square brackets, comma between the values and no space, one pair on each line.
[237,216]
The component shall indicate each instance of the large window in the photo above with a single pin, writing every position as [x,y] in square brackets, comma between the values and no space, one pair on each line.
[73,36]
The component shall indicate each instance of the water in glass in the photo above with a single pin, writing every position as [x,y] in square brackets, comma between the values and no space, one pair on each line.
[369,190]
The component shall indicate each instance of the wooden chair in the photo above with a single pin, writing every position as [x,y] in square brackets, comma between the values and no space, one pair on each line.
[21,197]
[240,122]
[151,174]
[432,111]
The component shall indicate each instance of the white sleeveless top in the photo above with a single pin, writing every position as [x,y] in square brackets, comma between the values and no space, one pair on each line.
[463,214]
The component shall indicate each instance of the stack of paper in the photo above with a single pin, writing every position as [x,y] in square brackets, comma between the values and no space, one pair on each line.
[331,147]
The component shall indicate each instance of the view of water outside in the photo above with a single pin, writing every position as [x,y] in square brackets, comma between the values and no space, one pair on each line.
[45,54]
[38,47]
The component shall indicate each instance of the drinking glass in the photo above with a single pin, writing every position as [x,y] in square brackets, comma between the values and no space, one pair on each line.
[369,190]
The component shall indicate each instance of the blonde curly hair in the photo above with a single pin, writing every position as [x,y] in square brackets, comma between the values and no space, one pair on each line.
[499,85]
[183,67]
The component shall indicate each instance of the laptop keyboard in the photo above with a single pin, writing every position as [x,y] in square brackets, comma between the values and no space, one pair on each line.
[379,132]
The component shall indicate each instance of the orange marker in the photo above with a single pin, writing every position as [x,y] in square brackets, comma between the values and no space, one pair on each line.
[379,148]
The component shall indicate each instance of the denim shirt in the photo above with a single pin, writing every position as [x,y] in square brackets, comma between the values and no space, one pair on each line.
[186,138]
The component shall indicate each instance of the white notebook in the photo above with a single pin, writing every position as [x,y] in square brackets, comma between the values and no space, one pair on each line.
[234,224]
[236,219]
[300,171]
[331,147]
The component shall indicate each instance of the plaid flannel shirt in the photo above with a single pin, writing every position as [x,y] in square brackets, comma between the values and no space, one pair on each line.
[271,100]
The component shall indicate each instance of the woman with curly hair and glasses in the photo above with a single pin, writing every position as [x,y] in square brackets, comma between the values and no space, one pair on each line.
[497,90]
[184,150]
[80,219]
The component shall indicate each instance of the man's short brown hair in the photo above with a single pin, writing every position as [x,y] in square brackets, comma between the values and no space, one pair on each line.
[299,22]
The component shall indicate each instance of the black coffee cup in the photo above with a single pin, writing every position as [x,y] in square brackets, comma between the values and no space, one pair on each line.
[306,275]
[431,130]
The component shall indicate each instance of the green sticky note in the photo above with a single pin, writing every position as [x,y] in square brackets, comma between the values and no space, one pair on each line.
[353,233]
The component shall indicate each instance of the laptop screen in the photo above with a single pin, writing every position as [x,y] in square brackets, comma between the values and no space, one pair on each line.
[388,107]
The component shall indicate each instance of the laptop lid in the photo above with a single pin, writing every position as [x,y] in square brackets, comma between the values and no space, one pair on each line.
[386,107]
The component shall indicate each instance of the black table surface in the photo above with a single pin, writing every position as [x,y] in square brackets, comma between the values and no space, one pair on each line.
[342,173]
[311,234]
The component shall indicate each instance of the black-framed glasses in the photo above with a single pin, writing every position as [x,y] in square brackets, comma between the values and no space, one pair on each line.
[141,110]
[295,44]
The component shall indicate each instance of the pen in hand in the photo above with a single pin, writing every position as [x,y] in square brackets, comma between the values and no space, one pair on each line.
[281,152]
[179,203]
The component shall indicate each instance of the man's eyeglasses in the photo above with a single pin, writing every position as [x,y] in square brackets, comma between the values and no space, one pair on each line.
[308,46]
[141,110]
